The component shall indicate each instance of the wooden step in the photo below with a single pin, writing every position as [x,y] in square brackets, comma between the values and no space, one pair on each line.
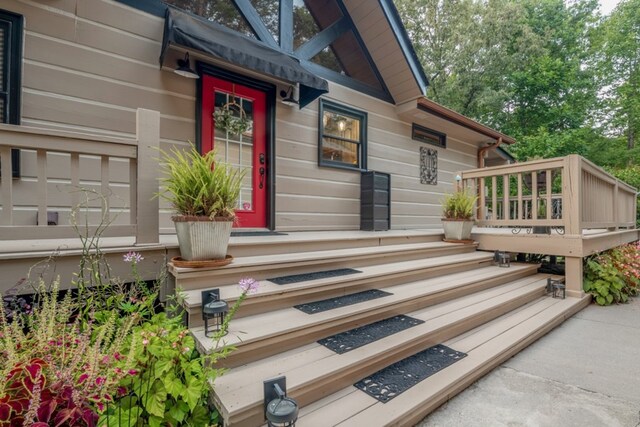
[486,346]
[309,241]
[268,333]
[265,266]
[314,371]
[273,297]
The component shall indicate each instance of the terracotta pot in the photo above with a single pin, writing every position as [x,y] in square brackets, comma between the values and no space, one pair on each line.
[202,238]
[455,229]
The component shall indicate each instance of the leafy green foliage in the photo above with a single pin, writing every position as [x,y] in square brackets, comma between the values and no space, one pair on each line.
[199,185]
[59,372]
[459,205]
[614,276]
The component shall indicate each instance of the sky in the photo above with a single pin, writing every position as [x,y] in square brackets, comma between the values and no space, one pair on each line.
[606,6]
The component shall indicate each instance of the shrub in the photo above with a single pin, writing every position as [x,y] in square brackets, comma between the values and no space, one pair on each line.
[459,205]
[614,276]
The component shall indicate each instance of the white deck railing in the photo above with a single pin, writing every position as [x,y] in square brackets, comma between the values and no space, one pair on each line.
[568,192]
[122,173]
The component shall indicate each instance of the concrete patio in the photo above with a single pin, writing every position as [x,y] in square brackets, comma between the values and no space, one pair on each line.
[584,373]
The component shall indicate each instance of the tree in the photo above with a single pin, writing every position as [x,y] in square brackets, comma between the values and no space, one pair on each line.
[621,70]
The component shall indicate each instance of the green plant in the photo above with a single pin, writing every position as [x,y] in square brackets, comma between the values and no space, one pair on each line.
[57,373]
[232,118]
[459,205]
[199,185]
[173,382]
[614,276]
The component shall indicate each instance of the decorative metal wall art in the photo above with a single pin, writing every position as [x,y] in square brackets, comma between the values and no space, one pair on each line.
[428,166]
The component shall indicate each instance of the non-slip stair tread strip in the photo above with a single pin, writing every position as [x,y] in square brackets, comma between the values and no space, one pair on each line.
[275,259]
[311,354]
[343,301]
[263,326]
[357,337]
[364,411]
[397,378]
[316,275]
[231,291]
[237,399]
[428,394]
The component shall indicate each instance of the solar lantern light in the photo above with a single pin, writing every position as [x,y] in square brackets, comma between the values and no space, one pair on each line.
[557,288]
[213,308]
[502,259]
[279,410]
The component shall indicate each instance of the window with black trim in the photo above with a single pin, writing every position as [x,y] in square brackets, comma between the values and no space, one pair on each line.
[428,136]
[343,136]
[10,75]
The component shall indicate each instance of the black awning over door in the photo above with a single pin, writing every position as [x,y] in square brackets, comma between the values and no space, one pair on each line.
[192,32]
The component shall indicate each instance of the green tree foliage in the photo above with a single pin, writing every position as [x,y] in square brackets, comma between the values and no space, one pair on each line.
[554,74]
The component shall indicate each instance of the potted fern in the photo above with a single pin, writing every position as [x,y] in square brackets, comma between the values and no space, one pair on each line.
[457,209]
[204,192]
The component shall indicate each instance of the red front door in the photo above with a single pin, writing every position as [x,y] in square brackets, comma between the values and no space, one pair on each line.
[246,150]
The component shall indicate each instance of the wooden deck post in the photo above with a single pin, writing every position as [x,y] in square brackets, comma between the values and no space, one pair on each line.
[571,195]
[147,206]
[574,276]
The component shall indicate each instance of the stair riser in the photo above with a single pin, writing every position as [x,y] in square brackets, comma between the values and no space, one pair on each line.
[268,303]
[226,276]
[245,250]
[256,350]
[319,388]
[413,417]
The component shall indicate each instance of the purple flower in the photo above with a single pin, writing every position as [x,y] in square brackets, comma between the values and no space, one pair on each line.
[133,257]
[249,285]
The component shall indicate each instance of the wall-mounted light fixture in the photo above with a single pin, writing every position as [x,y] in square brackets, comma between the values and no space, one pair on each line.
[290,96]
[184,68]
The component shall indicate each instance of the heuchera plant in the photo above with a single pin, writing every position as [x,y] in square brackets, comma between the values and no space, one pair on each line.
[614,276]
[55,373]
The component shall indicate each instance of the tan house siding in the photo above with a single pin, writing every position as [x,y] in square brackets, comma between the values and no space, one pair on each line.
[88,64]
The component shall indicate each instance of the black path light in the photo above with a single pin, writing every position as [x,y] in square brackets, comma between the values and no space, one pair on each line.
[502,259]
[557,288]
[213,308]
[279,410]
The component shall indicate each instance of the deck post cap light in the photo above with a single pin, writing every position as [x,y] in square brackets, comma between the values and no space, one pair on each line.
[184,68]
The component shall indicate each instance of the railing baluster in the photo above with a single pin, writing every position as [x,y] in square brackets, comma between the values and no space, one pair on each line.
[482,216]
[104,184]
[133,191]
[494,198]
[520,212]
[75,180]
[534,195]
[42,187]
[506,214]
[7,186]
[549,191]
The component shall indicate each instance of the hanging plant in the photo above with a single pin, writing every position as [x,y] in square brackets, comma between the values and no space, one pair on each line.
[232,118]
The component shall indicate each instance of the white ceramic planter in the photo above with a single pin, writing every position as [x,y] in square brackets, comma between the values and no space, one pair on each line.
[456,229]
[202,240]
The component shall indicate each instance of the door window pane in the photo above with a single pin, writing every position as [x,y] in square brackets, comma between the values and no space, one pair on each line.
[236,148]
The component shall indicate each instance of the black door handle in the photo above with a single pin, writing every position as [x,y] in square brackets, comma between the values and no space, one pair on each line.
[261,158]
[261,170]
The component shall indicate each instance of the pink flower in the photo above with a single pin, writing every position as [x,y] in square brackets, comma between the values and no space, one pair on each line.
[118,356]
[132,257]
[132,372]
[145,341]
[248,285]
[186,350]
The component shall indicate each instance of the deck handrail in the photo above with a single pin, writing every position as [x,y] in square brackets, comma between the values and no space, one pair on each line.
[570,192]
[57,150]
